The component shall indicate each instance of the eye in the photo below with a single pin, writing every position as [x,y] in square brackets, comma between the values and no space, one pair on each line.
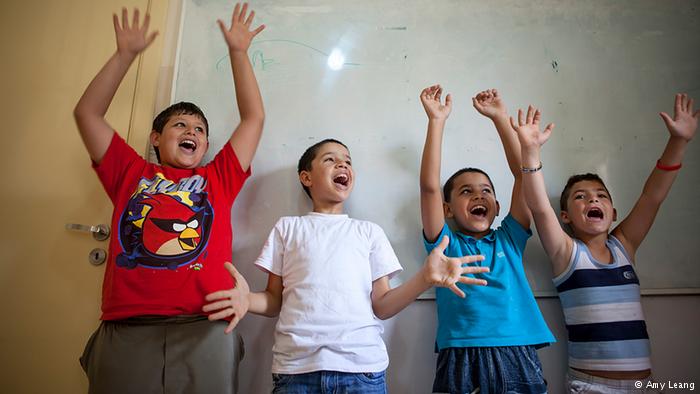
[487,191]
[465,191]
[601,195]
[348,162]
[199,129]
[193,224]
[328,159]
[179,124]
[578,196]
[179,227]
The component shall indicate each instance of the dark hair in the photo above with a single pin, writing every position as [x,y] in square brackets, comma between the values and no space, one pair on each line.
[181,108]
[449,185]
[309,156]
[572,181]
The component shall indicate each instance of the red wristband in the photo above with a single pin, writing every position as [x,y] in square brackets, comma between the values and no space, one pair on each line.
[668,168]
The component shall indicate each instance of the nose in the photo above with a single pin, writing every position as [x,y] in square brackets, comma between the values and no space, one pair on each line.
[341,164]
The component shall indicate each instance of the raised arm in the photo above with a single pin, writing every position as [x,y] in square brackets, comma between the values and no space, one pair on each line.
[490,104]
[438,270]
[90,111]
[238,301]
[246,136]
[432,213]
[632,230]
[555,241]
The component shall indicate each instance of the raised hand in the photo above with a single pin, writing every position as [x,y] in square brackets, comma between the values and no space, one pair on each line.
[440,270]
[431,99]
[229,302]
[239,35]
[489,104]
[132,40]
[684,122]
[528,128]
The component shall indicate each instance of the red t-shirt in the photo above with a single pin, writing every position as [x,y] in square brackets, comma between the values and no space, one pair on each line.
[171,232]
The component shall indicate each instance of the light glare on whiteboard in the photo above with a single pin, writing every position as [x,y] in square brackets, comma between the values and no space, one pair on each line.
[336,60]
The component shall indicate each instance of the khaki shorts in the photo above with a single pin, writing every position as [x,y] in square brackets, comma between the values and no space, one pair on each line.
[169,355]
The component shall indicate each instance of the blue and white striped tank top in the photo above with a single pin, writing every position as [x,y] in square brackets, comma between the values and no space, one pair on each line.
[603,313]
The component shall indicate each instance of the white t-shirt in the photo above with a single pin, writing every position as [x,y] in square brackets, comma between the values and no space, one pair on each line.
[327,264]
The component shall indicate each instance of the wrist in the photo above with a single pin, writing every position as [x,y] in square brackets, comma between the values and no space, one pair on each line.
[528,168]
[126,56]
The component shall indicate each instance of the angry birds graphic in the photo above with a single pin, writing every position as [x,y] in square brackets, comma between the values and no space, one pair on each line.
[163,230]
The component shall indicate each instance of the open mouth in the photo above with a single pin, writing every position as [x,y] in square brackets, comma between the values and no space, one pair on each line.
[188,145]
[595,213]
[479,210]
[341,179]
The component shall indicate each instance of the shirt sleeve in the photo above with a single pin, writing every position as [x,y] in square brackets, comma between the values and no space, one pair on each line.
[429,246]
[516,234]
[228,171]
[382,259]
[271,257]
[117,162]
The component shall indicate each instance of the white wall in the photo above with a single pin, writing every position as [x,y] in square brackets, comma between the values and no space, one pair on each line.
[672,322]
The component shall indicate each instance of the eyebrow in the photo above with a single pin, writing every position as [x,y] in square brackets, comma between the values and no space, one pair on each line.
[472,185]
[584,190]
[333,153]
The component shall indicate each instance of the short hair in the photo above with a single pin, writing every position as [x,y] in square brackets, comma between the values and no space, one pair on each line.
[574,179]
[181,108]
[309,156]
[449,185]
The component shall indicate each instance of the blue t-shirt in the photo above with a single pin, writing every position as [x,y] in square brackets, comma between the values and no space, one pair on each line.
[503,313]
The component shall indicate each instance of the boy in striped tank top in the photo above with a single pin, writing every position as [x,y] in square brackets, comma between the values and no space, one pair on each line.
[593,271]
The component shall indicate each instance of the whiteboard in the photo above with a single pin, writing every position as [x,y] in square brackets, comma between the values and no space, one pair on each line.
[600,70]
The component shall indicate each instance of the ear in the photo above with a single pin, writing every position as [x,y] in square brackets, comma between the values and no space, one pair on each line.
[447,210]
[155,138]
[305,178]
[498,207]
[614,215]
[565,217]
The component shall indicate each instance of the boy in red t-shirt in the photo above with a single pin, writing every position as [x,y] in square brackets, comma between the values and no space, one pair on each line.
[172,228]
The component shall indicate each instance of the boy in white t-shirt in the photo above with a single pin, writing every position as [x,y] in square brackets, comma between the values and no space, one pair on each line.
[328,279]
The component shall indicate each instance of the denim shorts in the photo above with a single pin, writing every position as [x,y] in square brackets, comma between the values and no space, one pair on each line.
[322,382]
[508,369]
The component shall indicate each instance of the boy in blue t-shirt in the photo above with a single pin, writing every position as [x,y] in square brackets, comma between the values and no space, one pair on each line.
[488,339]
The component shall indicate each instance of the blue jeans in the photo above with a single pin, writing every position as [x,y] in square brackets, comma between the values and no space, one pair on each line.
[330,382]
[508,369]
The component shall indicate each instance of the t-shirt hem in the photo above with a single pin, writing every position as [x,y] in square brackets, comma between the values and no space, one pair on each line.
[538,342]
[375,368]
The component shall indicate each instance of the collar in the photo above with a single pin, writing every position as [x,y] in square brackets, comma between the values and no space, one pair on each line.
[491,236]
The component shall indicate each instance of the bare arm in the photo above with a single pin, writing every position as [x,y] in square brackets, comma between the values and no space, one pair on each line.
[238,301]
[432,214]
[246,136]
[490,104]
[438,270]
[555,241]
[90,111]
[269,302]
[632,230]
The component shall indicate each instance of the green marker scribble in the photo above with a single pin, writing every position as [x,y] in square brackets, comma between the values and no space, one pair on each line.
[264,62]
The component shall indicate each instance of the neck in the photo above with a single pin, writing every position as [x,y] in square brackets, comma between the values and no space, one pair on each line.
[592,239]
[330,208]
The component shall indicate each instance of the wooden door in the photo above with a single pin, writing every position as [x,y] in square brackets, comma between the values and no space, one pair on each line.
[49,292]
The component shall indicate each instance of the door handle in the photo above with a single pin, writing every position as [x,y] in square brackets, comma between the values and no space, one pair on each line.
[99,232]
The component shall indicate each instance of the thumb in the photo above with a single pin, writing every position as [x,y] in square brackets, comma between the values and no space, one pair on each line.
[443,244]
[448,101]
[667,119]
[548,131]
[231,269]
